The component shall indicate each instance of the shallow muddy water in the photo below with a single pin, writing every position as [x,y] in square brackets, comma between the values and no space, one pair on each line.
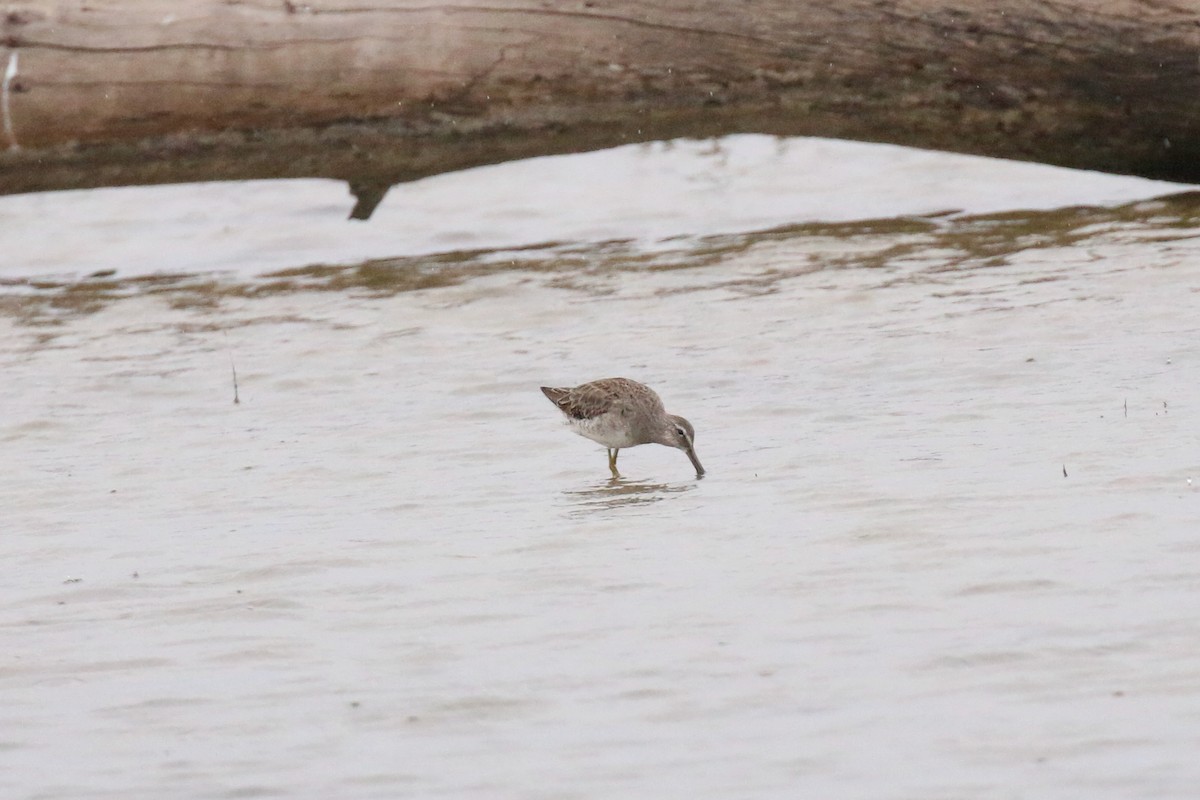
[947,545]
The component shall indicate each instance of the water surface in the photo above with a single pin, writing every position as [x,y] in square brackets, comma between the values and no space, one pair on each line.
[946,546]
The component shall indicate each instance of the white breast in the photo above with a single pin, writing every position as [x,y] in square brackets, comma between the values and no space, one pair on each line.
[608,435]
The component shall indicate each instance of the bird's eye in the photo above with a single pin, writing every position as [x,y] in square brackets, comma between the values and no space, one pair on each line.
[682,433]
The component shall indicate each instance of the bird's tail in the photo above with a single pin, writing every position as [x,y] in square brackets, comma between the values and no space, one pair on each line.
[554,395]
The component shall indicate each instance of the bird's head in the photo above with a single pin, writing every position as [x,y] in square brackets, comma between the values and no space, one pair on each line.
[681,434]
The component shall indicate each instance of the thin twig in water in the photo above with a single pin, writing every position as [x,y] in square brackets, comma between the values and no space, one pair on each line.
[233,369]
[1126,407]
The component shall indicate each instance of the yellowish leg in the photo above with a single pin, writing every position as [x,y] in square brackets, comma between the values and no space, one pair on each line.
[612,462]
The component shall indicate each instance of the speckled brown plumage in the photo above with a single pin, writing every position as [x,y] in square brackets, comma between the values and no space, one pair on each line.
[617,395]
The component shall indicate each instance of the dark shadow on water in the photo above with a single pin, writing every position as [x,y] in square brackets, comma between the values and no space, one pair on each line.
[616,493]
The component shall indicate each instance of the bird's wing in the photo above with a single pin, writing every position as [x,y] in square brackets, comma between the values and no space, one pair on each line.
[611,395]
[588,401]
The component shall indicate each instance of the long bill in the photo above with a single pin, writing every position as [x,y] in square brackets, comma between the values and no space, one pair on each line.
[691,453]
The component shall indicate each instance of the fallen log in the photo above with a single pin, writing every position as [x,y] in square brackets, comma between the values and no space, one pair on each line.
[112,92]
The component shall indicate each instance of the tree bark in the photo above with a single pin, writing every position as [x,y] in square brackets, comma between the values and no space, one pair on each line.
[111,92]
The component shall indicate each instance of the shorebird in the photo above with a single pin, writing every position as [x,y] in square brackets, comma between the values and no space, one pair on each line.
[619,413]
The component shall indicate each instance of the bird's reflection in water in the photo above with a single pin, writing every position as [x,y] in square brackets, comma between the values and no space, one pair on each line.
[622,493]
